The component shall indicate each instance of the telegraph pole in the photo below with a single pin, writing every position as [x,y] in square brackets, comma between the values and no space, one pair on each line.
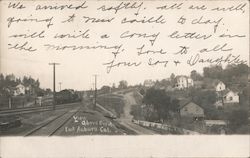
[60,84]
[54,83]
[95,91]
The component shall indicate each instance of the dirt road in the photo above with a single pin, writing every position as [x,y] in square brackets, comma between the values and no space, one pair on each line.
[126,118]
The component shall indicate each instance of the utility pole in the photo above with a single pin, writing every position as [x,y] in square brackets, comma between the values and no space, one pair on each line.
[93,87]
[60,84]
[95,91]
[54,83]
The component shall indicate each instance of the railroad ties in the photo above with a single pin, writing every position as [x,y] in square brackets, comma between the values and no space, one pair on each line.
[52,126]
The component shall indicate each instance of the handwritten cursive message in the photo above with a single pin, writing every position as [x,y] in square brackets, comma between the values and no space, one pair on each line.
[129,35]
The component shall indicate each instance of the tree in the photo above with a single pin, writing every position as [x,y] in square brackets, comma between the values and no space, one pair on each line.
[162,103]
[175,104]
[245,97]
[165,82]
[172,76]
[237,118]
[136,111]
[105,89]
[113,86]
[172,79]
[195,75]
[40,92]
[202,97]
[10,81]
[142,91]
[48,91]
[149,114]
[232,74]
[2,80]
[212,113]
[26,81]
[123,84]
[213,72]
[235,74]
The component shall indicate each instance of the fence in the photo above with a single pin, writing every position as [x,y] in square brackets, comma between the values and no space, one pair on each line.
[23,101]
[165,127]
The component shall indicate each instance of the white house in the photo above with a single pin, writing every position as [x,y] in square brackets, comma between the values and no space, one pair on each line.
[220,86]
[148,83]
[214,84]
[183,82]
[227,97]
[231,97]
[19,89]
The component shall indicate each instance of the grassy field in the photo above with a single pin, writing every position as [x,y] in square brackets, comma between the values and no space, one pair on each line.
[113,103]
[17,102]
[138,97]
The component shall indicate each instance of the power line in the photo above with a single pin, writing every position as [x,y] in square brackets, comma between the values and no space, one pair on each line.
[54,83]
[95,91]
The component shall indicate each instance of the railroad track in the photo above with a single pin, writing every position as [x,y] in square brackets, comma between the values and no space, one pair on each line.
[52,126]
[33,109]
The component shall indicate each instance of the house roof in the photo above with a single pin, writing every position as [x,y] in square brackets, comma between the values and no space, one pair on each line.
[19,85]
[232,92]
[216,82]
[211,83]
[235,88]
[185,102]
[179,76]
[225,92]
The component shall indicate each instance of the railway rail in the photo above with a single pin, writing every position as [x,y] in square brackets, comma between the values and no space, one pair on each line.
[52,126]
[33,109]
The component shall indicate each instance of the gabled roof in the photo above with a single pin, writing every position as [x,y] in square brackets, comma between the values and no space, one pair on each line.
[211,83]
[232,92]
[225,92]
[179,76]
[185,102]
[235,88]
[216,82]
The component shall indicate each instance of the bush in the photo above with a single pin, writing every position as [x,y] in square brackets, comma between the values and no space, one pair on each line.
[237,119]
[245,129]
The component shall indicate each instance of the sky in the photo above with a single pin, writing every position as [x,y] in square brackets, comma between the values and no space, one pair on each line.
[77,68]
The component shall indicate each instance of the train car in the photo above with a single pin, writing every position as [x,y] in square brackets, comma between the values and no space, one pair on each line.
[66,96]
